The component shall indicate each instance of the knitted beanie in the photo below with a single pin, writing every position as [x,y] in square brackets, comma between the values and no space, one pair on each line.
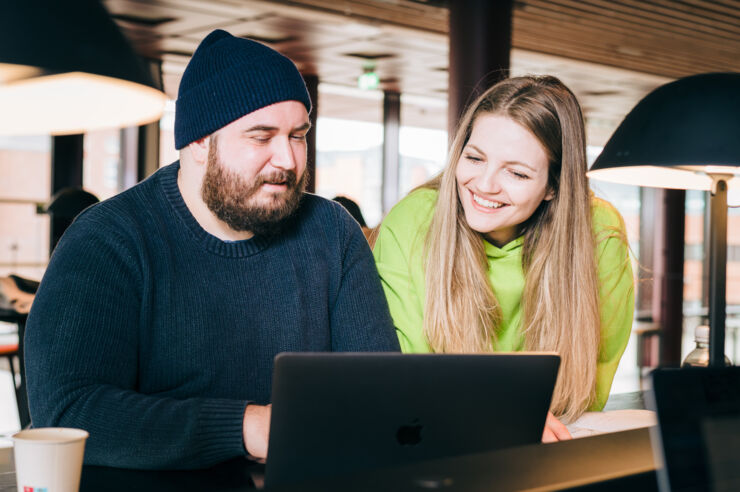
[228,77]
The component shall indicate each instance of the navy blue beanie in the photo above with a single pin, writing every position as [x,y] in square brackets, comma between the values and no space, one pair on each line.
[228,77]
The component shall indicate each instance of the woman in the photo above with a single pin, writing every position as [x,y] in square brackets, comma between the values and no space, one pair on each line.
[508,250]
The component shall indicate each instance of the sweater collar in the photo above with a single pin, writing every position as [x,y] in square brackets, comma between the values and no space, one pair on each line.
[234,249]
[513,247]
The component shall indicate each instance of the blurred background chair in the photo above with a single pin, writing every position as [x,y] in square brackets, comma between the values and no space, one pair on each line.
[13,352]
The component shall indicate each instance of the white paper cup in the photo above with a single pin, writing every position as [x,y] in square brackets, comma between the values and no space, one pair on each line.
[49,459]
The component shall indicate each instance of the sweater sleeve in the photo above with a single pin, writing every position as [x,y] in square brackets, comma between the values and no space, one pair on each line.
[616,295]
[82,361]
[398,252]
[359,302]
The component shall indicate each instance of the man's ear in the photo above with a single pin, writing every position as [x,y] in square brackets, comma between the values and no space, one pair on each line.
[199,149]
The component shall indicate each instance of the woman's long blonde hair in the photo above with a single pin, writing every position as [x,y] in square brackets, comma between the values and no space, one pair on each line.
[560,299]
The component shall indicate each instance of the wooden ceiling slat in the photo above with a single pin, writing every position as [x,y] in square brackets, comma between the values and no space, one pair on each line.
[533,42]
[666,56]
[603,14]
[731,9]
[693,47]
[656,51]
[594,56]
[662,13]
[646,43]
[705,11]
[408,14]
[606,10]
[593,30]
[728,3]
[624,62]
[226,10]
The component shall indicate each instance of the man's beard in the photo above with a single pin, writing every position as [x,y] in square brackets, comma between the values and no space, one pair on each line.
[234,200]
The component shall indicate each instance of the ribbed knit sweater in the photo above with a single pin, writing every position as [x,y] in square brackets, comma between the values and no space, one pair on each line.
[153,335]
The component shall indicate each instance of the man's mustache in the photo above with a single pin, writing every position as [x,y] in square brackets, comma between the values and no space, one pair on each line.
[277,177]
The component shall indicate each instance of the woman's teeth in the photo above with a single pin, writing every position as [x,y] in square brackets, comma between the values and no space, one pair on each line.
[487,203]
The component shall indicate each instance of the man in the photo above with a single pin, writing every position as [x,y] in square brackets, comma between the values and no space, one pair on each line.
[157,321]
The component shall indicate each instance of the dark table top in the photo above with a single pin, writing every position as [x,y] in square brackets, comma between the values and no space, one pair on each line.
[617,461]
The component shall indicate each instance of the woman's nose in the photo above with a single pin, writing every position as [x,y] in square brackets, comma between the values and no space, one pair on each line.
[489,181]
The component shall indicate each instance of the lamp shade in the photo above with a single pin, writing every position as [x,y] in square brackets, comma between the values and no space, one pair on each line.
[677,136]
[65,67]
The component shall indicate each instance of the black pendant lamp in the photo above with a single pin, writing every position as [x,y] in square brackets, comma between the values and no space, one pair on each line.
[65,68]
[686,135]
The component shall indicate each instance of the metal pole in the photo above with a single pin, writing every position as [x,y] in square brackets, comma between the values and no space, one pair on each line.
[391,152]
[480,51]
[67,153]
[717,271]
[669,271]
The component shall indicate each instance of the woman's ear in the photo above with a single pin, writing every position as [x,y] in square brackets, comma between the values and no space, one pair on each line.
[550,194]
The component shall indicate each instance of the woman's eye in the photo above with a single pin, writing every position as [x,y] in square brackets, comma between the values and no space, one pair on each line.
[519,175]
[473,158]
[298,138]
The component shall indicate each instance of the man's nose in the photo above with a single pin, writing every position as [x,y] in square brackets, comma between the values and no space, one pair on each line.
[283,155]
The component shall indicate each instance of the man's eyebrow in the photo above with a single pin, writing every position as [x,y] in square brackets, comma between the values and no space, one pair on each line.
[267,128]
[306,126]
[261,128]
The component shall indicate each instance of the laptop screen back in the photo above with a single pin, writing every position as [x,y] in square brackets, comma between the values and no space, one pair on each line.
[339,413]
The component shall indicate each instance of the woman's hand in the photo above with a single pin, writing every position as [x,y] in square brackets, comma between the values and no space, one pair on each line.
[554,430]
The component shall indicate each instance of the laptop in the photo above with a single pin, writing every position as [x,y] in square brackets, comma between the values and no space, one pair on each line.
[338,413]
[697,440]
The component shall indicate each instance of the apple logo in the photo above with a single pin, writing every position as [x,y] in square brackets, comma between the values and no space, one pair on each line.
[409,435]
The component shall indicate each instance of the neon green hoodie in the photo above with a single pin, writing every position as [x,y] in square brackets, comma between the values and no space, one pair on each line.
[399,251]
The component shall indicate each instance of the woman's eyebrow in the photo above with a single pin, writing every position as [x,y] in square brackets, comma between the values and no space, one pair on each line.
[520,163]
[475,149]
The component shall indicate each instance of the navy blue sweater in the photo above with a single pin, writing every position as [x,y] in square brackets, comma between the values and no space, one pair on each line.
[153,335]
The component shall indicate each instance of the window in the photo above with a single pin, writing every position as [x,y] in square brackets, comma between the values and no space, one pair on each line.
[349,162]
[423,152]
[167,152]
[101,163]
[24,233]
